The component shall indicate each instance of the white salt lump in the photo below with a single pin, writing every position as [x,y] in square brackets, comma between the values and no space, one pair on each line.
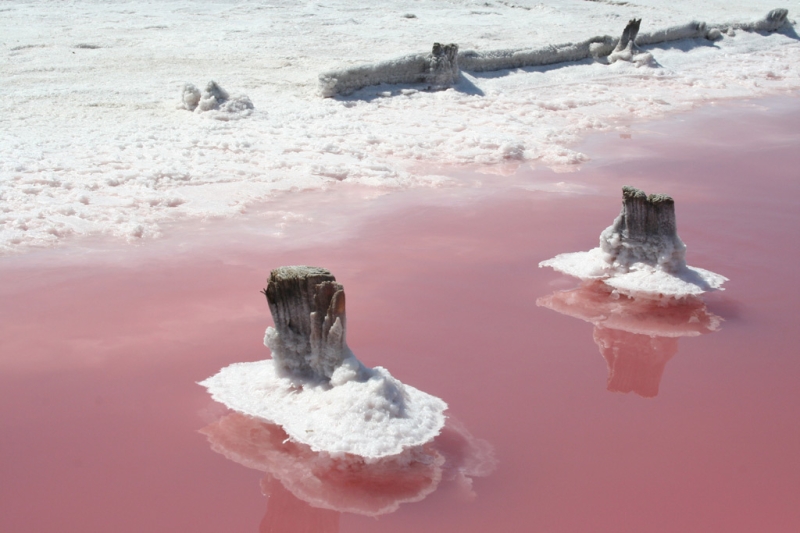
[215,102]
[314,387]
[640,254]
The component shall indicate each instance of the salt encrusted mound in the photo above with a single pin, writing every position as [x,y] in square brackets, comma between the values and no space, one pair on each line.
[439,70]
[215,101]
[640,254]
[314,387]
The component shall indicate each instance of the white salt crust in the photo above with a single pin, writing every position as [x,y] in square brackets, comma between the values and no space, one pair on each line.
[364,412]
[92,143]
[636,279]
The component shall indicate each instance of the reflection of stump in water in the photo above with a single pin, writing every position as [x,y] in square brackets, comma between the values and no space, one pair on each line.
[348,483]
[344,483]
[636,336]
[289,514]
[635,362]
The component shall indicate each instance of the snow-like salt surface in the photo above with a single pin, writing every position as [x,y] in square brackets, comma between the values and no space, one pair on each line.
[93,140]
[372,418]
[637,279]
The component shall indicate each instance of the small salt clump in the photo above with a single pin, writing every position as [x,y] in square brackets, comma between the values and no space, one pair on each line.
[640,254]
[216,102]
[314,387]
[190,97]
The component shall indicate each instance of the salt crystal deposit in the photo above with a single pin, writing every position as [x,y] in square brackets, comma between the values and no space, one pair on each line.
[315,388]
[92,142]
[640,254]
[215,99]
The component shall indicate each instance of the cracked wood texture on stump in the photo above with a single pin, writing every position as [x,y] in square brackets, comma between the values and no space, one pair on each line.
[308,307]
[645,231]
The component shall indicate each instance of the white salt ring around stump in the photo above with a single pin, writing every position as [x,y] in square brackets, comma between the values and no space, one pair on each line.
[640,280]
[355,417]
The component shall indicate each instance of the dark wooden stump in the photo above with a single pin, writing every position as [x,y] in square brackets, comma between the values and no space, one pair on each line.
[308,307]
[645,231]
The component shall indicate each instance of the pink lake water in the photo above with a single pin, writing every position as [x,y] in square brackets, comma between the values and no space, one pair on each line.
[649,421]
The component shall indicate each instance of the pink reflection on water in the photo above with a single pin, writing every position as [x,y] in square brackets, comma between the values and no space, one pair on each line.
[348,483]
[100,411]
[636,336]
[286,513]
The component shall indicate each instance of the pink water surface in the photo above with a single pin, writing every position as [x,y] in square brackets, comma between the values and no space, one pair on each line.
[100,414]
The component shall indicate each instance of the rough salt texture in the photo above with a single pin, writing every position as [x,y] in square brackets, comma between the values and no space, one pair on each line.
[314,387]
[441,67]
[92,144]
[373,417]
[640,254]
[217,101]
[438,70]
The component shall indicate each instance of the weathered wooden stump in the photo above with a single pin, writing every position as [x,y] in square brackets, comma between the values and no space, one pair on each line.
[308,307]
[443,70]
[629,34]
[645,231]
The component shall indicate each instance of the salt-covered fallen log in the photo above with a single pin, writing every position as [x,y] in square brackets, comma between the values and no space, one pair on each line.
[772,21]
[438,69]
[422,68]
[474,61]
[640,254]
[690,30]
[314,387]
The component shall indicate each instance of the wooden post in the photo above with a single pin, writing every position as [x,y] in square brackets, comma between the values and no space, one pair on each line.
[629,35]
[308,307]
[645,231]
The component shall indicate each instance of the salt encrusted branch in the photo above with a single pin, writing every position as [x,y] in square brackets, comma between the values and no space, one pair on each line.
[431,69]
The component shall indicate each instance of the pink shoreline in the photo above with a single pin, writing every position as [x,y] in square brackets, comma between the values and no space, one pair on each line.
[99,409]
